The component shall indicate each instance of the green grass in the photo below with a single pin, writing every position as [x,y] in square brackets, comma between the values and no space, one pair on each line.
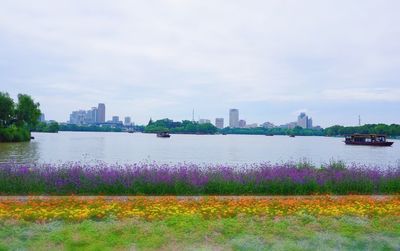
[193,233]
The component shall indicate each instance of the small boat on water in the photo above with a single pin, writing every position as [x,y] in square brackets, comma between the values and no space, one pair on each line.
[163,135]
[367,140]
[269,135]
[292,135]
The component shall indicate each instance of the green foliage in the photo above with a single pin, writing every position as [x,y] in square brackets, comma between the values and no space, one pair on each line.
[6,110]
[14,134]
[16,120]
[27,112]
[273,131]
[88,128]
[390,130]
[47,127]
[184,127]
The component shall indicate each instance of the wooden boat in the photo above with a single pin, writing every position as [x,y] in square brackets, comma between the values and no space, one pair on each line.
[163,135]
[367,140]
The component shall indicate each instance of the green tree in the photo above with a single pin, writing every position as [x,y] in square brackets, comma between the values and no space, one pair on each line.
[7,110]
[27,111]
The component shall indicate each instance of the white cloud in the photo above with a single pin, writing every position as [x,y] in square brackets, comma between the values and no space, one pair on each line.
[159,53]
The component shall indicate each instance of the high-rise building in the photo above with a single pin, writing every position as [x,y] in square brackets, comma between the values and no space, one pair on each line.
[233,118]
[309,123]
[127,121]
[115,119]
[242,123]
[77,117]
[304,121]
[94,113]
[101,113]
[219,123]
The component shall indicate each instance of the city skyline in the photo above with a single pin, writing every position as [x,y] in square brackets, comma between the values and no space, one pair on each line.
[97,115]
[272,60]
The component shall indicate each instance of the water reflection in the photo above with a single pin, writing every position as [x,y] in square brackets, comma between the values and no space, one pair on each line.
[25,152]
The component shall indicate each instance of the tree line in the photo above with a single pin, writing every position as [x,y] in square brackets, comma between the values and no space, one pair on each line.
[17,119]
[184,127]
[392,130]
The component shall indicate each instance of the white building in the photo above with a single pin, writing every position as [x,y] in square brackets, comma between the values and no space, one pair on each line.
[304,121]
[127,121]
[242,123]
[115,119]
[233,118]
[253,125]
[204,121]
[268,125]
[219,123]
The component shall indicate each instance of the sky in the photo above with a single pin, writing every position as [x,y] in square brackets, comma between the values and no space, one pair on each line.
[333,59]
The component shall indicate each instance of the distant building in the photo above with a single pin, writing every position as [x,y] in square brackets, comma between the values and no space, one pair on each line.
[268,125]
[233,118]
[77,117]
[219,123]
[242,123]
[101,113]
[127,121]
[42,118]
[115,119]
[94,117]
[290,125]
[204,121]
[304,121]
[254,125]
[309,123]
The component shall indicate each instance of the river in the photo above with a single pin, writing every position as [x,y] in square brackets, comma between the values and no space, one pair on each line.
[216,149]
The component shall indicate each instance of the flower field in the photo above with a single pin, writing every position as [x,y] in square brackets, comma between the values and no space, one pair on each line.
[191,179]
[71,208]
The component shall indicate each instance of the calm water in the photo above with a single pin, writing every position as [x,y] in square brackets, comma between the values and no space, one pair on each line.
[237,149]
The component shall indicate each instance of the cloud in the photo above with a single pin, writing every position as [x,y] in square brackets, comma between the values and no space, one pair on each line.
[178,54]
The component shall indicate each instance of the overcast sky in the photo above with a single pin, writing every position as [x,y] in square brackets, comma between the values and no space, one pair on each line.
[270,59]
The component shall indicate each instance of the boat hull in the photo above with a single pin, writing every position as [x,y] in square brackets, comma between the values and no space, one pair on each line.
[370,143]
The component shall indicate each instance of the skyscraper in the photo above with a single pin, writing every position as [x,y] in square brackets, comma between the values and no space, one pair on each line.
[101,113]
[219,123]
[127,121]
[94,117]
[304,121]
[233,118]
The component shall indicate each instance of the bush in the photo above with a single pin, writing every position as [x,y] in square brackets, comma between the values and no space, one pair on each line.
[14,134]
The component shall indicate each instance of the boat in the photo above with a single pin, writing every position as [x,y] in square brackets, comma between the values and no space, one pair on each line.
[163,135]
[269,134]
[367,140]
[292,135]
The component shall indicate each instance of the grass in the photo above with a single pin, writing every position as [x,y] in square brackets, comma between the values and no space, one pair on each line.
[304,232]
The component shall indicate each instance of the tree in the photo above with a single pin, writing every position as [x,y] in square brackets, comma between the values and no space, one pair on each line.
[7,109]
[27,111]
